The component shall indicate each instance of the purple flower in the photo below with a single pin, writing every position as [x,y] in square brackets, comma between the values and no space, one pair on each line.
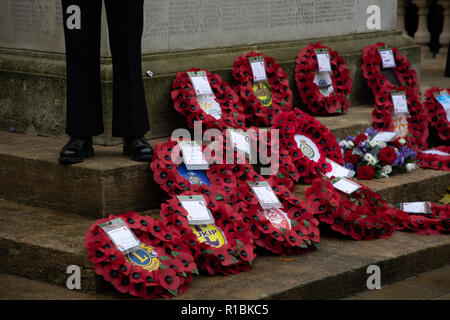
[350,138]
[12,129]
[349,166]
[371,131]
[398,162]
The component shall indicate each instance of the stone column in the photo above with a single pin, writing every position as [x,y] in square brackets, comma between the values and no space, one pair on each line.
[445,35]
[401,15]
[422,35]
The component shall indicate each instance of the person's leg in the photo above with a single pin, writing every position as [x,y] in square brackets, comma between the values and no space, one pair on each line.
[84,105]
[125,27]
[83,92]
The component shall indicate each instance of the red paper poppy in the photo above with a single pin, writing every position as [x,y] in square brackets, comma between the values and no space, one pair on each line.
[435,161]
[316,102]
[279,95]
[132,278]
[437,116]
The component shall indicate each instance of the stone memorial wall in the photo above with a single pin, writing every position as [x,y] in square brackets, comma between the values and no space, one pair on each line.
[174,25]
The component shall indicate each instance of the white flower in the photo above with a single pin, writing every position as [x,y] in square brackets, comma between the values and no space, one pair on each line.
[371,160]
[343,144]
[384,175]
[387,169]
[402,141]
[372,143]
[410,167]
[350,144]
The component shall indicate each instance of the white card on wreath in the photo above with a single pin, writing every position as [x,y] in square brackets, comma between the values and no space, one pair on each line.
[240,141]
[416,207]
[436,152]
[200,82]
[265,194]
[387,58]
[339,171]
[345,185]
[385,136]
[121,235]
[193,156]
[400,103]
[258,68]
[323,61]
[198,212]
[444,99]
[209,104]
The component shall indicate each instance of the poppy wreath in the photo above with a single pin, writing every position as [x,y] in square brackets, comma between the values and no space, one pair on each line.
[371,66]
[295,123]
[417,119]
[435,161]
[267,146]
[315,101]
[176,264]
[363,215]
[437,116]
[297,233]
[437,222]
[256,112]
[233,256]
[185,102]
[222,178]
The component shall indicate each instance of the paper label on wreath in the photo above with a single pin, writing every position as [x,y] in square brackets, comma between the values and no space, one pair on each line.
[387,58]
[144,257]
[416,207]
[436,152]
[264,192]
[400,123]
[339,171]
[258,68]
[240,141]
[200,82]
[263,92]
[385,136]
[209,104]
[210,234]
[198,212]
[444,99]
[399,102]
[323,60]
[197,177]
[193,155]
[121,235]
[323,81]
[308,147]
[345,185]
[278,218]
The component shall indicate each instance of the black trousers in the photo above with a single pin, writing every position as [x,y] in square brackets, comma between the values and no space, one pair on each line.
[84,98]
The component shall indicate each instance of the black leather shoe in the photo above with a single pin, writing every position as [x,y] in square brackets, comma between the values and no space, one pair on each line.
[76,150]
[138,149]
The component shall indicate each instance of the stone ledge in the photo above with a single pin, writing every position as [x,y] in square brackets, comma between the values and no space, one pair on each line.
[40,244]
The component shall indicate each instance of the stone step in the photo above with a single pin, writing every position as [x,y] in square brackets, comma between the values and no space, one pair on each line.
[40,244]
[418,185]
[107,183]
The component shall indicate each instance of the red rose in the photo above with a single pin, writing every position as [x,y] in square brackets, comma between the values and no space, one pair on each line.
[360,138]
[387,156]
[349,157]
[365,172]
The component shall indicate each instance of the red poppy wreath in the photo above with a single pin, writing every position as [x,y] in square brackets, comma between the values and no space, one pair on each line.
[309,144]
[362,215]
[266,96]
[437,115]
[323,93]
[288,230]
[225,247]
[437,158]
[373,72]
[161,268]
[413,126]
[437,222]
[220,109]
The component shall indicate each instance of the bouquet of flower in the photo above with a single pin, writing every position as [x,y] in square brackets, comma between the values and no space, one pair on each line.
[371,158]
